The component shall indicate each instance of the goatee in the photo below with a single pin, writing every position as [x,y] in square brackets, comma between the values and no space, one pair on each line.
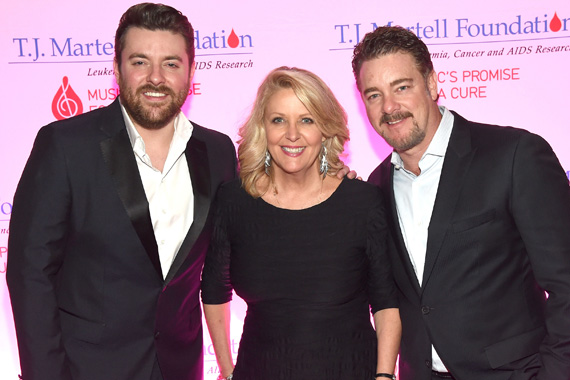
[414,137]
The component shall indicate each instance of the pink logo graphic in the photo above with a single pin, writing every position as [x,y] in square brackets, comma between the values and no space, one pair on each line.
[555,23]
[66,103]
[233,39]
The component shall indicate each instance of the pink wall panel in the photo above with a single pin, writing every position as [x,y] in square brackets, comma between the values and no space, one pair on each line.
[497,62]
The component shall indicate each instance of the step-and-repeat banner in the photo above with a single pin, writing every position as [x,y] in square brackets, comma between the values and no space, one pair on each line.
[500,62]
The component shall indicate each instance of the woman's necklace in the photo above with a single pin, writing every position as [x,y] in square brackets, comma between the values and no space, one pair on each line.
[310,200]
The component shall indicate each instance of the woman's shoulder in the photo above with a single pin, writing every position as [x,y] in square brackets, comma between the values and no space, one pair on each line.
[230,191]
[357,194]
[360,188]
[230,186]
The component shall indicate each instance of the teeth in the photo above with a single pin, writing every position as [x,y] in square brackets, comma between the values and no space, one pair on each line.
[393,122]
[154,94]
[293,150]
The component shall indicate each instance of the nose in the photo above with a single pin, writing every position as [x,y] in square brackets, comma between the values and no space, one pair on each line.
[292,133]
[390,104]
[156,75]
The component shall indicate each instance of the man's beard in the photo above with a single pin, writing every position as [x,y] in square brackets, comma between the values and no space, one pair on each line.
[151,116]
[415,136]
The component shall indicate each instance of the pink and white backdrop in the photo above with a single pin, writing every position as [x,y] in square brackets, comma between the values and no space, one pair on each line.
[503,62]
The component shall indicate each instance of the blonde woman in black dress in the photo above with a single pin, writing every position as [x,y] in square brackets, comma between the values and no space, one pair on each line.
[305,249]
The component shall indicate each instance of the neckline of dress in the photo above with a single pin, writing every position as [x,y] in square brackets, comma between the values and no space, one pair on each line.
[326,200]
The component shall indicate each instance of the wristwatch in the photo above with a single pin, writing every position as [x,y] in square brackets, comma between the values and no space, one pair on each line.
[229,377]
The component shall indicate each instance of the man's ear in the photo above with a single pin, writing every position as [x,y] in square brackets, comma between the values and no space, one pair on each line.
[432,85]
[116,69]
[192,71]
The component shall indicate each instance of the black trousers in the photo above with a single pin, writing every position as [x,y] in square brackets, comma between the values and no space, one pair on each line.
[156,374]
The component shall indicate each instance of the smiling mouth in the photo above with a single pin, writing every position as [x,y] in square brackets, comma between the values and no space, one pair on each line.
[395,118]
[293,150]
[154,94]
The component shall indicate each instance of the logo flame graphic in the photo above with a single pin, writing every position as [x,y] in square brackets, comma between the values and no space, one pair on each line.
[233,40]
[66,103]
[555,23]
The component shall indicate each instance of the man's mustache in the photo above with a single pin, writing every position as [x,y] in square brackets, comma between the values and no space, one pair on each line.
[395,117]
[150,88]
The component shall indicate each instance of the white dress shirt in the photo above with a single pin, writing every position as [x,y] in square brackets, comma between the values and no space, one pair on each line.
[169,193]
[415,197]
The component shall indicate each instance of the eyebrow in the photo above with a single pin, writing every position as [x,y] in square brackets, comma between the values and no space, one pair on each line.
[137,55]
[277,113]
[369,90]
[392,84]
[173,58]
[400,81]
[167,58]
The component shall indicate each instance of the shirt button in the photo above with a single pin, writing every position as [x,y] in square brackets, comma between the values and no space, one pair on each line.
[428,364]
[162,242]
[425,310]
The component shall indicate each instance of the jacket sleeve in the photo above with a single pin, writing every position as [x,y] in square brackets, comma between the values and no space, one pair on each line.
[36,250]
[541,210]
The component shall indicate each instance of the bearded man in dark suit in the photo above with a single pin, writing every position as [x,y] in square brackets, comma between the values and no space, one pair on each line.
[480,216]
[111,221]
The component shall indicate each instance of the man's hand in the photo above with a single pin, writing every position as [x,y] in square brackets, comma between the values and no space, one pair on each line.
[345,171]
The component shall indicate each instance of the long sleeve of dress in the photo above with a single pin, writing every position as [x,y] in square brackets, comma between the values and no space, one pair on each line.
[216,285]
[381,287]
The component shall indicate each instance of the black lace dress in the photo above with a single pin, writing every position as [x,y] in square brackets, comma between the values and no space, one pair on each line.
[309,278]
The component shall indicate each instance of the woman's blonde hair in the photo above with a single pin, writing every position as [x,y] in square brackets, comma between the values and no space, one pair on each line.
[319,100]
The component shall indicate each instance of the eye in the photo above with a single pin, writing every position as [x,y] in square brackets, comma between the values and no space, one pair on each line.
[138,63]
[172,65]
[307,120]
[277,120]
[403,88]
[373,96]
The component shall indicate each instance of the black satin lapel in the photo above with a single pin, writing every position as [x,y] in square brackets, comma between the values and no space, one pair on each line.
[198,164]
[453,174]
[118,155]
[397,235]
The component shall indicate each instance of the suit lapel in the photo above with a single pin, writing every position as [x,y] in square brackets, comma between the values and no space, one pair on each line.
[118,155]
[388,183]
[454,172]
[197,157]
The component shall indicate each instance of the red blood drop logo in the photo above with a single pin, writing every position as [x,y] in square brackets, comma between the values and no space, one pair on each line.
[233,39]
[66,103]
[555,23]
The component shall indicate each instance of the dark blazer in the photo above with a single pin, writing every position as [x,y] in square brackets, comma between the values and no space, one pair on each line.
[87,292]
[499,236]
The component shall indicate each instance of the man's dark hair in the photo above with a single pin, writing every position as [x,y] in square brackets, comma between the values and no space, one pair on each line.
[152,16]
[388,40]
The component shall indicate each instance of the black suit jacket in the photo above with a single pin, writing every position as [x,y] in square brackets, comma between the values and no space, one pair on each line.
[499,236]
[87,292]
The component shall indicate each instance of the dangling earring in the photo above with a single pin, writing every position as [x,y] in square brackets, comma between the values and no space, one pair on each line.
[324,168]
[267,162]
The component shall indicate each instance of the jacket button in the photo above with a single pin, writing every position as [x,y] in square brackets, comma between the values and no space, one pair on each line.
[425,310]
[156,334]
[428,364]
